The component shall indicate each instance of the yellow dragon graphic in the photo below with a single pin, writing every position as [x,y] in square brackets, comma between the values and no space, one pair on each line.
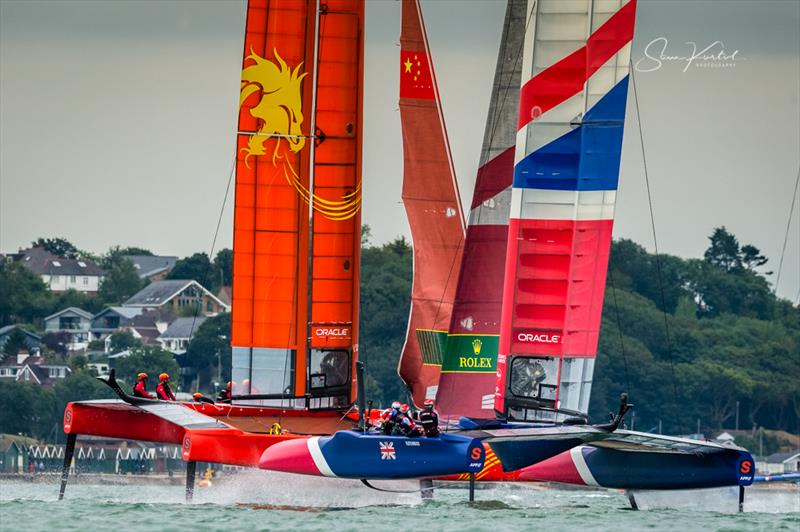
[280,115]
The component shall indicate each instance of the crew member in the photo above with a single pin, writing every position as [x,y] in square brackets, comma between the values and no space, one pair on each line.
[198,397]
[140,388]
[389,418]
[224,395]
[429,419]
[404,425]
[162,390]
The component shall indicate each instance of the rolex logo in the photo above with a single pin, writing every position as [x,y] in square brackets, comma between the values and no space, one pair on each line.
[476,346]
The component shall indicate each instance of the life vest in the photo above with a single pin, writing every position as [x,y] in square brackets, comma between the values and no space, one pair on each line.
[430,423]
[139,390]
[163,392]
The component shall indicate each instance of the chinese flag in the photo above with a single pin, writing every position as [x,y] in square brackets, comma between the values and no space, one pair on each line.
[415,76]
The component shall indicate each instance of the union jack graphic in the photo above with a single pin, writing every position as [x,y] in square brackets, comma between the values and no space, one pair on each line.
[387,450]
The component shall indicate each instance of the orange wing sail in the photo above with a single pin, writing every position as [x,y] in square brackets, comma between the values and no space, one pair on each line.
[298,197]
[433,206]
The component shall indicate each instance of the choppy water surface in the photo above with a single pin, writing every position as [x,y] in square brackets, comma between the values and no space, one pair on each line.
[272,501]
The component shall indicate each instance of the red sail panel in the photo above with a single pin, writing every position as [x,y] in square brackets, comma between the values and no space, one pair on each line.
[270,217]
[337,198]
[467,382]
[433,206]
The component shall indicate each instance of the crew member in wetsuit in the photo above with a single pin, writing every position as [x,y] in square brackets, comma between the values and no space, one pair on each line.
[163,391]
[140,388]
[389,418]
[429,419]
[404,425]
[198,397]
[224,395]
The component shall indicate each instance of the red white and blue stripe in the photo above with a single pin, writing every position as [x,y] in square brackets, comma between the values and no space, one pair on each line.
[567,159]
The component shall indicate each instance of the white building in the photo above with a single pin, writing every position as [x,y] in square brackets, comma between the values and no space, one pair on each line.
[73,321]
[61,274]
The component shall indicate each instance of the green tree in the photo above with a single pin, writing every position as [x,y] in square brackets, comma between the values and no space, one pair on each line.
[25,298]
[27,409]
[122,340]
[57,342]
[223,266]
[197,267]
[723,250]
[120,282]
[212,339]
[60,247]
[149,359]
[132,250]
[386,273]
[16,342]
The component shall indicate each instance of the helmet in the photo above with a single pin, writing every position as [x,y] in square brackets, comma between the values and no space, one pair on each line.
[197,395]
[428,403]
[396,405]
[141,376]
[229,384]
[404,408]
[163,377]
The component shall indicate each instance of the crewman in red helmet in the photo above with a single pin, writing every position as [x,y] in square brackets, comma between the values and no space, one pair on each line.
[163,391]
[429,419]
[140,388]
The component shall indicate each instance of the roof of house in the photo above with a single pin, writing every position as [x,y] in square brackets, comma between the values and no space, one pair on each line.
[147,265]
[159,292]
[43,262]
[125,312]
[75,310]
[6,444]
[183,328]
[8,328]
[780,458]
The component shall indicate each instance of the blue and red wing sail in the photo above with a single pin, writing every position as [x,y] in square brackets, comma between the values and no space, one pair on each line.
[569,142]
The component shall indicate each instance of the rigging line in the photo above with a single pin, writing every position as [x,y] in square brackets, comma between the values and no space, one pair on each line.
[214,241]
[786,236]
[619,329]
[655,238]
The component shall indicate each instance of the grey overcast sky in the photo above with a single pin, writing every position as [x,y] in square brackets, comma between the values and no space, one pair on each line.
[117,121]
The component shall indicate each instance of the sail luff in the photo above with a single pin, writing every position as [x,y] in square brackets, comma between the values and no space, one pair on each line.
[433,206]
[569,141]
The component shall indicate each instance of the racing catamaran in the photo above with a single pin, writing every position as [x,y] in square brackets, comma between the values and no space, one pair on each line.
[569,127]
[297,231]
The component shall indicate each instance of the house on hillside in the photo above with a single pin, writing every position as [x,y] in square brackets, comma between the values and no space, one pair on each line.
[110,319]
[73,321]
[61,274]
[780,463]
[177,295]
[31,340]
[152,267]
[145,327]
[35,369]
[177,336]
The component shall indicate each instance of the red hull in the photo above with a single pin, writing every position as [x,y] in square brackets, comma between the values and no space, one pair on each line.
[241,443]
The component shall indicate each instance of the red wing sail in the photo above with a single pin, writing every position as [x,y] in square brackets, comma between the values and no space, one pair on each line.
[466,386]
[433,206]
[298,198]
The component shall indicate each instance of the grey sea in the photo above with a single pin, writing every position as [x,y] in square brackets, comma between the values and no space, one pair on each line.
[256,500]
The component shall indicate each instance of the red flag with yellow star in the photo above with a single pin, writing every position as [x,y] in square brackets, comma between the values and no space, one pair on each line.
[415,76]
